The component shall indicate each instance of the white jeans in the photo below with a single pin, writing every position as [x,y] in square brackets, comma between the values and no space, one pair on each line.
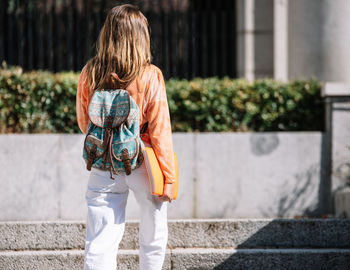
[106,201]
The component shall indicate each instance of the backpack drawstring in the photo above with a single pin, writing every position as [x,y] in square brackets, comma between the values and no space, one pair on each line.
[112,168]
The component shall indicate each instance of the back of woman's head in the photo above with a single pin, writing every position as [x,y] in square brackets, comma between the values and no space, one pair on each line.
[123,47]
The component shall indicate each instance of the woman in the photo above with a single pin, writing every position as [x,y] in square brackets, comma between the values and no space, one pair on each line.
[124,48]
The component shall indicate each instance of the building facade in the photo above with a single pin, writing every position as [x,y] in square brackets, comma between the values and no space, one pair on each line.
[293,39]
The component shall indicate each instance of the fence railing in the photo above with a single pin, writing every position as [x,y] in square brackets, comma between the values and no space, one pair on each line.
[60,35]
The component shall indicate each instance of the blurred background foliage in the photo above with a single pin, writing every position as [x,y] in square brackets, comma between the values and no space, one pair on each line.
[44,102]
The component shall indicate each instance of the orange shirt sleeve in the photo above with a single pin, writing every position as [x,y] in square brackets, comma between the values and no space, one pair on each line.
[82,101]
[159,127]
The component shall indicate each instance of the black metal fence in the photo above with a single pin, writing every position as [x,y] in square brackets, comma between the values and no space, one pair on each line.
[189,38]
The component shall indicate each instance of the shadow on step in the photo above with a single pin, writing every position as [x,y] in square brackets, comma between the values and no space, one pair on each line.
[288,244]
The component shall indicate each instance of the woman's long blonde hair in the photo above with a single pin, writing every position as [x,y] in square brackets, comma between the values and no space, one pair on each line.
[123,47]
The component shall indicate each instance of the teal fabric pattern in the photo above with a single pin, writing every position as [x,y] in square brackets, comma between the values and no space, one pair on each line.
[113,129]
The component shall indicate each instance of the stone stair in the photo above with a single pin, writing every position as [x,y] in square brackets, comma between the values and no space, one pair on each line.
[193,244]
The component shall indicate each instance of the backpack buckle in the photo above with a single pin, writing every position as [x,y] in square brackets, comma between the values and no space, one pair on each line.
[126,161]
[92,154]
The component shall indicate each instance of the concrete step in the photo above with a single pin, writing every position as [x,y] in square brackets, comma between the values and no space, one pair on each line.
[192,258]
[309,259]
[63,260]
[236,233]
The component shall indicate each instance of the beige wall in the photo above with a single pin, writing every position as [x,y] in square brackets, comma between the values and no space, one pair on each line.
[318,42]
[319,39]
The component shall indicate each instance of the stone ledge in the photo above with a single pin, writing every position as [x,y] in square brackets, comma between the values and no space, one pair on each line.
[64,259]
[227,233]
[260,259]
[248,186]
[335,89]
[342,202]
[193,258]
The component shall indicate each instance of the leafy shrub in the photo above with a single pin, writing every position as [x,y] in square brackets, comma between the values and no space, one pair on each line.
[43,102]
[238,105]
[37,101]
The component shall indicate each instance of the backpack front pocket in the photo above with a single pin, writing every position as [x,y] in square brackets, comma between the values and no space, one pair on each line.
[131,146]
[93,151]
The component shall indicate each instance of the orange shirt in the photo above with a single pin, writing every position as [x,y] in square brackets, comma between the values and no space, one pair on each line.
[150,95]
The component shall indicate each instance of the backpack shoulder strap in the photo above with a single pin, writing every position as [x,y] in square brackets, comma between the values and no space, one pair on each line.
[144,128]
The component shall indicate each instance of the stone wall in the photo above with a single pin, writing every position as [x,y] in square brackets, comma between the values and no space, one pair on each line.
[222,175]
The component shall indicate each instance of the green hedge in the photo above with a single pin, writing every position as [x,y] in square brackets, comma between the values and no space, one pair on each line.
[238,105]
[37,102]
[43,102]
